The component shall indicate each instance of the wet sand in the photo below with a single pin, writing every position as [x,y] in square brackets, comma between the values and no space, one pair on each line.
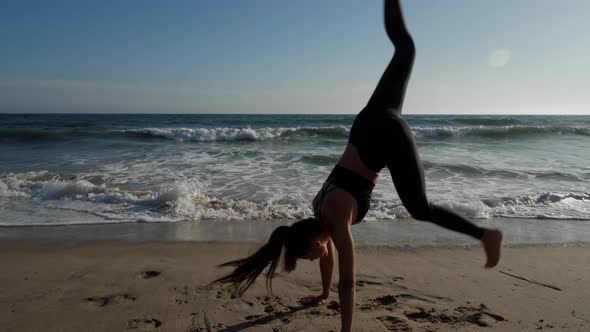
[404,234]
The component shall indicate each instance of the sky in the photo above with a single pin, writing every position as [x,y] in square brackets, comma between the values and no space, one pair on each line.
[304,56]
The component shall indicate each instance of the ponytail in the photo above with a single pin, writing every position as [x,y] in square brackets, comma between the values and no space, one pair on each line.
[249,268]
[295,238]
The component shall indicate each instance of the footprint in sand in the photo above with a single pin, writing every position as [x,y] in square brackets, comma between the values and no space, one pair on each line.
[334,305]
[273,305]
[479,316]
[483,319]
[223,294]
[150,274]
[362,283]
[315,312]
[372,304]
[144,324]
[431,316]
[385,300]
[180,294]
[102,301]
[393,323]
[415,298]
[200,322]
[388,300]
[542,324]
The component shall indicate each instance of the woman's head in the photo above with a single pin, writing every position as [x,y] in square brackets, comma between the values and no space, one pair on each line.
[300,241]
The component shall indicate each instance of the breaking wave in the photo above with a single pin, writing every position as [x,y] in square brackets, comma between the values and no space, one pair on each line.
[187,199]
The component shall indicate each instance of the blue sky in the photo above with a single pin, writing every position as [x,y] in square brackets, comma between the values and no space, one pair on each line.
[269,56]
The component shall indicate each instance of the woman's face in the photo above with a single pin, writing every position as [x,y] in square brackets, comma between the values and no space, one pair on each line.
[317,250]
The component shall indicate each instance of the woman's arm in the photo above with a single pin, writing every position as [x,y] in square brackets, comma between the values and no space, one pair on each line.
[327,269]
[342,238]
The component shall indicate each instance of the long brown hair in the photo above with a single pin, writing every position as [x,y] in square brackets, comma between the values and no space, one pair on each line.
[295,238]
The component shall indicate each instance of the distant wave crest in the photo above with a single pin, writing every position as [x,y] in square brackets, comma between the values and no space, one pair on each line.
[235,134]
[342,132]
[228,134]
[497,132]
[487,121]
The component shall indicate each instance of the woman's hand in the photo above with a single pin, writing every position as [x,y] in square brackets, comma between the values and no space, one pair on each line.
[314,300]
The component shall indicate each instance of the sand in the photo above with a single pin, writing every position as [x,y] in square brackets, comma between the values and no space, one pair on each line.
[163,287]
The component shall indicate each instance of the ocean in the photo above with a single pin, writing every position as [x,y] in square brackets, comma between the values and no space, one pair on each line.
[70,169]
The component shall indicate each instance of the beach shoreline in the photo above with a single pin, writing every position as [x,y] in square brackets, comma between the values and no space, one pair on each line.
[119,286]
[405,234]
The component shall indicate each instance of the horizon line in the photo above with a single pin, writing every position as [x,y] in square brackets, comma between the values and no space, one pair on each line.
[221,113]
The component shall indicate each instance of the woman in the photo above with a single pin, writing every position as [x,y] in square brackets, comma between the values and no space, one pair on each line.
[378,138]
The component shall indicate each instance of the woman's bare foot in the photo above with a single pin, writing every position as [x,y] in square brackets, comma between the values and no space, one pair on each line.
[492,241]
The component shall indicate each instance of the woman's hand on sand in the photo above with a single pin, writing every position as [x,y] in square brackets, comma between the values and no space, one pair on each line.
[314,300]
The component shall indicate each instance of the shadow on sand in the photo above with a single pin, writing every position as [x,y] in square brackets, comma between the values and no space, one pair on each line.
[265,320]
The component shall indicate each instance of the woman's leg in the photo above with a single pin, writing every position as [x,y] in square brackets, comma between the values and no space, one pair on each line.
[390,91]
[406,171]
[408,177]
[404,163]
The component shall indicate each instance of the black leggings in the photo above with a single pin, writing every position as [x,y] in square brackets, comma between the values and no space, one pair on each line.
[402,159]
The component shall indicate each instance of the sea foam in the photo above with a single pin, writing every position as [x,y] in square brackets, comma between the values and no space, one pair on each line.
[188,199]
[235,134]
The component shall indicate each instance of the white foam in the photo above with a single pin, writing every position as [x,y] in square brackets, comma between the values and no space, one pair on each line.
[57,189]
[393,210]
[234,134]
[471,210]
[21,185]
[566,206]
[214,134]
[8,190]
[189,199]
[182,200]
[186,200]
